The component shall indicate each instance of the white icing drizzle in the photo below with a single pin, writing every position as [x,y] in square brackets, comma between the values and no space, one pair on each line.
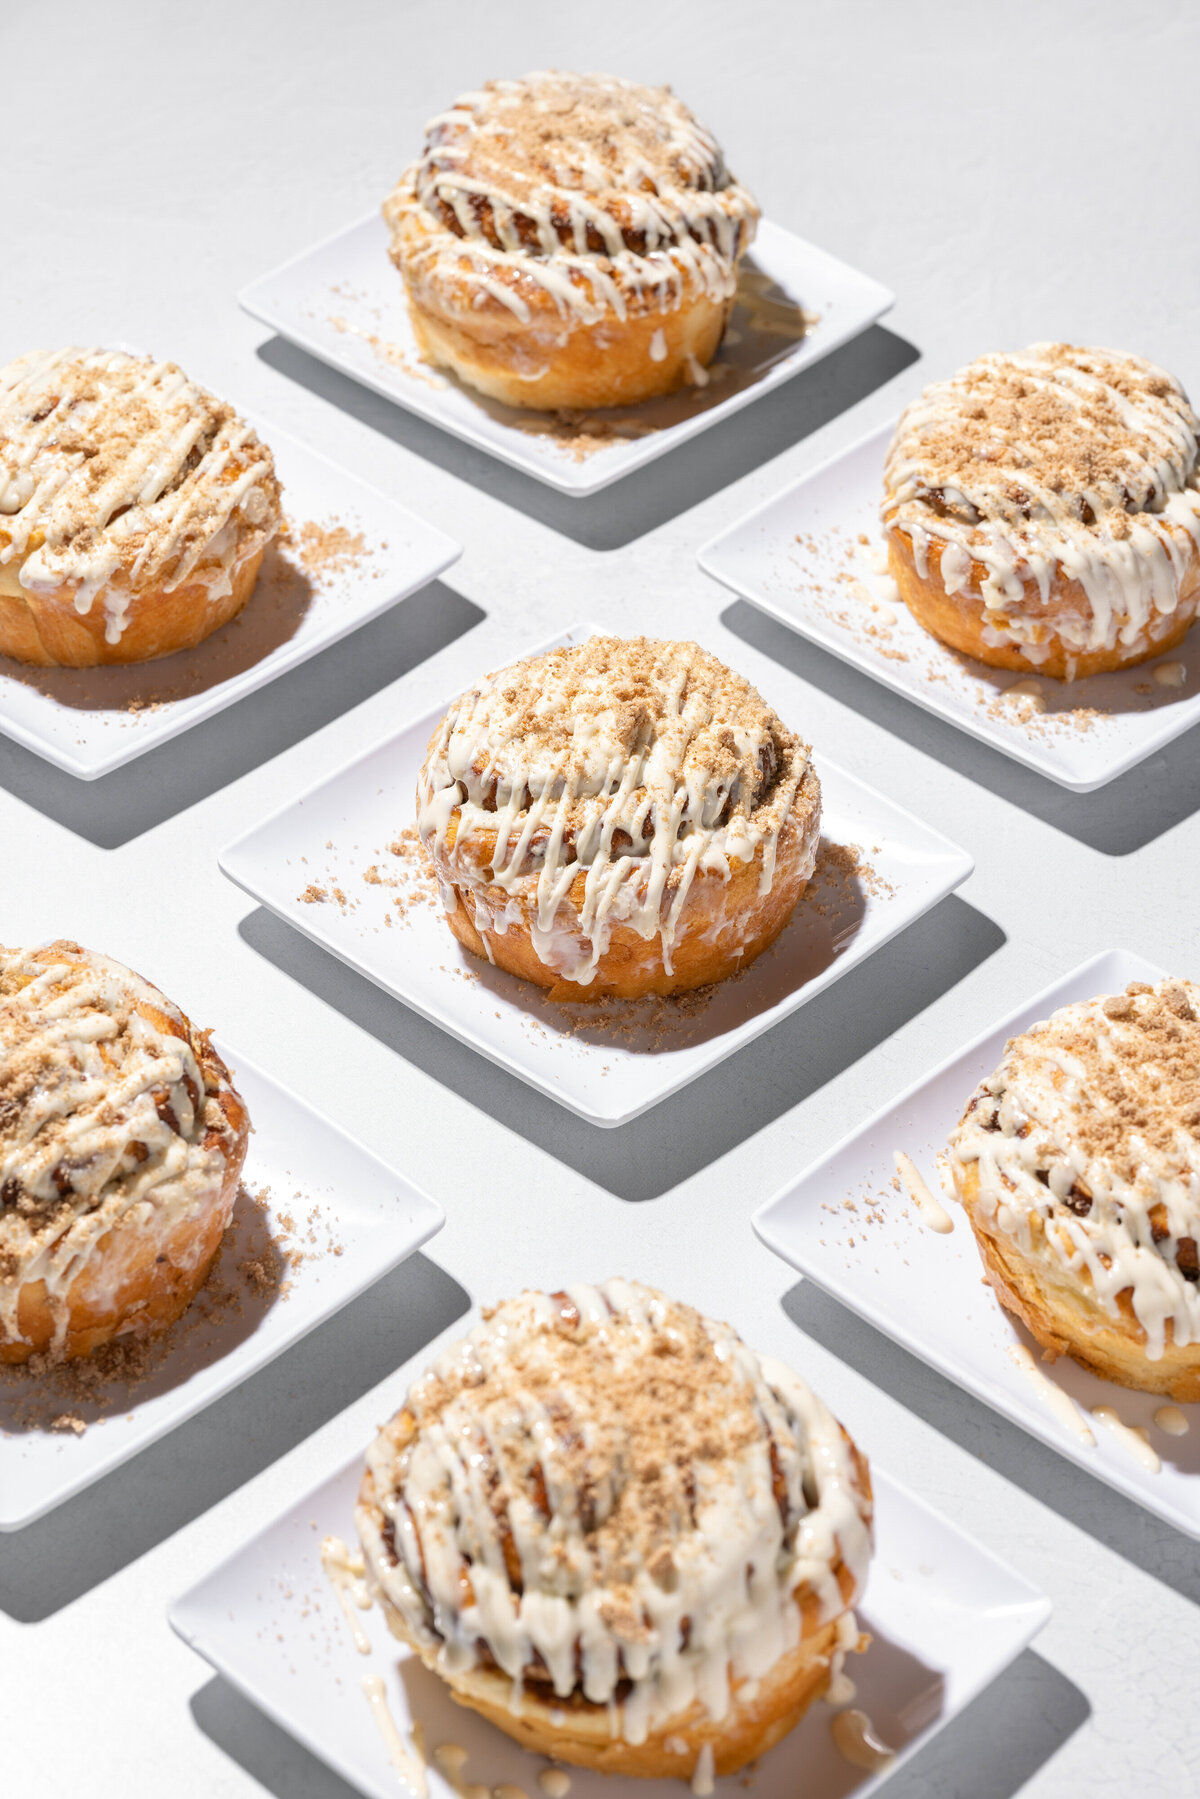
[607,197]
[1088,471]
[450,1759]
[932,1212]
[702,1782]
[519,1507]
[344,1570]
[1171,1421]
[408,1763]
[1131,1440]
[634,763]
[1052,1395]
[118,475]
[106,1116]
[859,1743]
[1030,691]
[841,1689]
[1087,1141]
[877,584]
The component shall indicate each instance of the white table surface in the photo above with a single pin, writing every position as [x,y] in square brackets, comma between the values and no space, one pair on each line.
[1013,173]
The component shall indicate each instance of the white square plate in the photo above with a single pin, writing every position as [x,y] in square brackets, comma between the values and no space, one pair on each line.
[350,1217]
[945,1615]
[89,721]
[607,1071]
[844,1225]
[343,301]
[800,559]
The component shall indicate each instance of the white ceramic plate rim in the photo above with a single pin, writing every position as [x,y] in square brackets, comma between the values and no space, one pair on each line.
[180,715]
[1033,1417]
[571,479]
[921,693]
[959,866]
[251,1355]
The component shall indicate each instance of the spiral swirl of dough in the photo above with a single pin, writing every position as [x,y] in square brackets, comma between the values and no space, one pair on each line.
[640,764]
[1087,1144]
[119,475]
[1056,464]
[598,192]
[112,1109]
[599,1490]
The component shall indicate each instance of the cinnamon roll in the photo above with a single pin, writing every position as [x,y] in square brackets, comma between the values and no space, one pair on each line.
[621,818]
[121,1143]
[1042,510]
[134,509]
[569,241]
[618,1533]
[1078,1164]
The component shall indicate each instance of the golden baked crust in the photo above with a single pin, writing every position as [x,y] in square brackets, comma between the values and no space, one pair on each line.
[618,1533]
[624,817]
[121,1144]
[1078,1165]
[962,619]
[569,241]
[45,629]
[1042,511]
[134,509]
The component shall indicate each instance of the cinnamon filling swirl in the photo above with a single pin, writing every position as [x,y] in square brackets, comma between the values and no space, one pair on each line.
[1059,491]
[119,478]
[582,164]
[115,1117]
[569,240]
[1082,1154]
[606,786]
[610,1500]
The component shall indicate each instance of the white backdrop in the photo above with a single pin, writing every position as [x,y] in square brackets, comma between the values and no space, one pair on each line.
[1013,173]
